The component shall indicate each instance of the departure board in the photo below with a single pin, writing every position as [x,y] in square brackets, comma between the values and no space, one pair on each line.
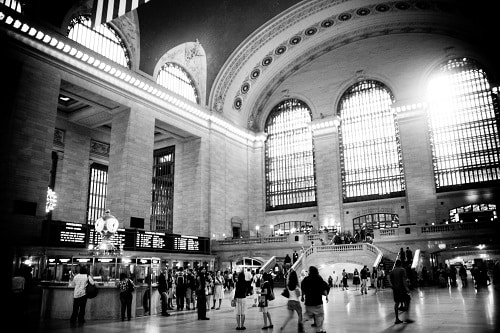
[118,239]
[70,234]
[66,234]
[186,243]
[150,240]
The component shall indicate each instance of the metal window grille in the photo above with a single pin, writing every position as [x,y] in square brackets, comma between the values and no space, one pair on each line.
[98,187]
[12,4]
[162,202]
[176,79]
[463,119]
[289,156]
[370,150]
[376,221]
[102,39]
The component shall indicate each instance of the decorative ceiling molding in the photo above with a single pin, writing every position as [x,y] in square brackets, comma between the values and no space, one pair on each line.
[236,92]
[261,37]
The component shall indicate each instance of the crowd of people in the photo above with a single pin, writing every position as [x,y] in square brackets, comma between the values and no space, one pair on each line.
[202,290]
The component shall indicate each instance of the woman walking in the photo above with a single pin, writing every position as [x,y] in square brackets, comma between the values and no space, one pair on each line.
[355,278]
[293,304]
[265,291]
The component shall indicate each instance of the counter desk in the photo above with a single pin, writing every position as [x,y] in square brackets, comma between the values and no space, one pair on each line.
[57,302]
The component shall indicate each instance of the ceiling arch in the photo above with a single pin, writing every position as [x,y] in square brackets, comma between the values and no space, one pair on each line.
[306,32]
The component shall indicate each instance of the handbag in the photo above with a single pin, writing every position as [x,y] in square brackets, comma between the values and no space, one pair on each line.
[285,293]
[90,290]
[130,287]
[233,302]
[271,294]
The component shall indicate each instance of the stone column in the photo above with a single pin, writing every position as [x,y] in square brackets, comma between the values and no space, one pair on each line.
[417,162]
[130,166]
[328,175]
[29,110]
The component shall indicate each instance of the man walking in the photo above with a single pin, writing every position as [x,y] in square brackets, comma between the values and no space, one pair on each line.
[400,291]
[313,289]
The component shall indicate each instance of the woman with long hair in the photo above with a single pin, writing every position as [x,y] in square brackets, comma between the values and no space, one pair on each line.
[293,304]
[240,295]
[264,293]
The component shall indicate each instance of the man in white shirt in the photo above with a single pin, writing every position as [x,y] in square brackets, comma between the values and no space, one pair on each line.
[248,279]
[79,297]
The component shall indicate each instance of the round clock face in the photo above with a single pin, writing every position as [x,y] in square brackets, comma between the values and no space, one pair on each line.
[112,224]
[99,225]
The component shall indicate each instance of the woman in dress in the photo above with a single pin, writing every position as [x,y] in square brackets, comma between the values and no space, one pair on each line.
[355,278]
[218,289]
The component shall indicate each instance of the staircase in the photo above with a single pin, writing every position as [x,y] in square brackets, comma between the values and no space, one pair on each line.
[388,265]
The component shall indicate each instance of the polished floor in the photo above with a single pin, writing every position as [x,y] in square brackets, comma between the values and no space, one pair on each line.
[433,309]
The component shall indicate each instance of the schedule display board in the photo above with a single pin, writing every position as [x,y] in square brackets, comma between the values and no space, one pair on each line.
[82,235]
[66,234]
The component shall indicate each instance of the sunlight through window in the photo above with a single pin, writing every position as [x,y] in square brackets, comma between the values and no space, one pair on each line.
[176,79]
[102,39]
[370,150]
[290,179]
[463,125]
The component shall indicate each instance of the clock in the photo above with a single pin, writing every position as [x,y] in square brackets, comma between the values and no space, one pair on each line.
[112,224]
[99,225]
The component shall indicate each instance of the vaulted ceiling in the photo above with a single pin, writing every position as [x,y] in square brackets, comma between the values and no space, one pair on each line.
[254,46]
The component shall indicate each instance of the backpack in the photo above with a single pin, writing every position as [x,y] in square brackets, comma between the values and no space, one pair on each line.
[192,282]
[180,281]
[257,282]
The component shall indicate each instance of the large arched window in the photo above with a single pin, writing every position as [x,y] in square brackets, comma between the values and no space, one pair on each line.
[102,39]
[176,79]
[370,151]
[290,178]
[12,4]
[463,123]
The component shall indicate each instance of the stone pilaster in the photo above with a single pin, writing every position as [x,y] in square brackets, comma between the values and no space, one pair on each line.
[130,166]
[328,175]
[417,161]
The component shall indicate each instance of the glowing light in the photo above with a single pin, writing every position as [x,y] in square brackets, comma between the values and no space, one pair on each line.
[51,200]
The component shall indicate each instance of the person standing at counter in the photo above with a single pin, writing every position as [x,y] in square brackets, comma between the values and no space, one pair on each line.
[126,287]
[163,290]
[79,297]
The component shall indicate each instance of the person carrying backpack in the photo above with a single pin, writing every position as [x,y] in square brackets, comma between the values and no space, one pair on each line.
[180,290]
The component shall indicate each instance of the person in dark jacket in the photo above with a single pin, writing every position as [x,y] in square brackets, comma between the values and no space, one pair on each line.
[126,287]
[163,289]
[313,289]
[201,297]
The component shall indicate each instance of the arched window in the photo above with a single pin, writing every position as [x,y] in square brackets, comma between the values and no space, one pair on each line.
[102,39]
[370,151]
[290,178]
[12,4]
[176,79]
[463,123]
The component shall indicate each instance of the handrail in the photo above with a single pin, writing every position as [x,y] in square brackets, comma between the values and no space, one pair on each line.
[297,266]
[416,259]
[269,265]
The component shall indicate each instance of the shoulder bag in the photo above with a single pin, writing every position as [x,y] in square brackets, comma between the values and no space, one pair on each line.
[90,290]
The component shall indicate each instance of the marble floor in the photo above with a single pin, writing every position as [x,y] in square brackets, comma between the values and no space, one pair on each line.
[433,309]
